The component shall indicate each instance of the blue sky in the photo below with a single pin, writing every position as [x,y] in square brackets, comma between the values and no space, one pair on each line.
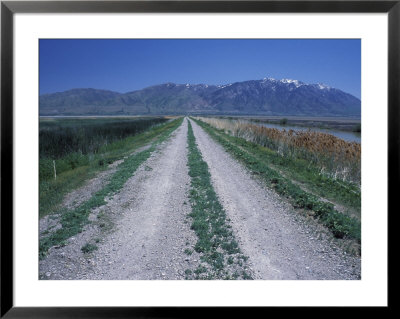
[128,65]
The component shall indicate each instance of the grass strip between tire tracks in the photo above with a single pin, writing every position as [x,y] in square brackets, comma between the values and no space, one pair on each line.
[216,242]
[73,221]
[342,226]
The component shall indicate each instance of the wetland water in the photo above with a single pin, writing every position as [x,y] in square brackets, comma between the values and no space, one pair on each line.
[347,136]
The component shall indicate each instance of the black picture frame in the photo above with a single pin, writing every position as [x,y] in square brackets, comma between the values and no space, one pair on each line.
[9,8]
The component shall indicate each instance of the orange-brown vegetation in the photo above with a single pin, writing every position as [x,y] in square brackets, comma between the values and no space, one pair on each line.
[334,157]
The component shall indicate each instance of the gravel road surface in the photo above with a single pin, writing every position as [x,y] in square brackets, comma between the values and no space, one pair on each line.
[144,230]
[280,244]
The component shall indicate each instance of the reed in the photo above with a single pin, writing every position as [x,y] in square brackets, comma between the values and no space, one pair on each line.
[333,156]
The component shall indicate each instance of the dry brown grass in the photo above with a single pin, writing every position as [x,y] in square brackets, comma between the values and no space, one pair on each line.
[335,157]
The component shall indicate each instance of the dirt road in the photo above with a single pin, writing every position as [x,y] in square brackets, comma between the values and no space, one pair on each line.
[144,230]
[280,243]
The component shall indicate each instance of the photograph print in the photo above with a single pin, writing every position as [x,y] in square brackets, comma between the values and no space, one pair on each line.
[199,159]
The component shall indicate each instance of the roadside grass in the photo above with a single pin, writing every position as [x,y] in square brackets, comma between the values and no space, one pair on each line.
[73,221]
[305,173]
[341,225]
[71,176]
[334,157]
[52,192]
[216,242]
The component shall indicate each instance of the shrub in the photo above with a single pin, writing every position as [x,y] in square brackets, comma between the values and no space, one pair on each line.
[283,121]
[89,248]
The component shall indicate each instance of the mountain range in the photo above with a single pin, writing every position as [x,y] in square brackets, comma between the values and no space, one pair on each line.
[256,97]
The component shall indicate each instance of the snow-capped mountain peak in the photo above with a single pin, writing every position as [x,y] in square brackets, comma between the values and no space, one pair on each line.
[290,81]
[263,96]
[268,79]
[223,86]
[322,86]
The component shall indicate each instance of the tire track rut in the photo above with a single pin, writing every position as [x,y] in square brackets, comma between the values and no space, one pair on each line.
[280,243]
[150,231]
[151,236]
